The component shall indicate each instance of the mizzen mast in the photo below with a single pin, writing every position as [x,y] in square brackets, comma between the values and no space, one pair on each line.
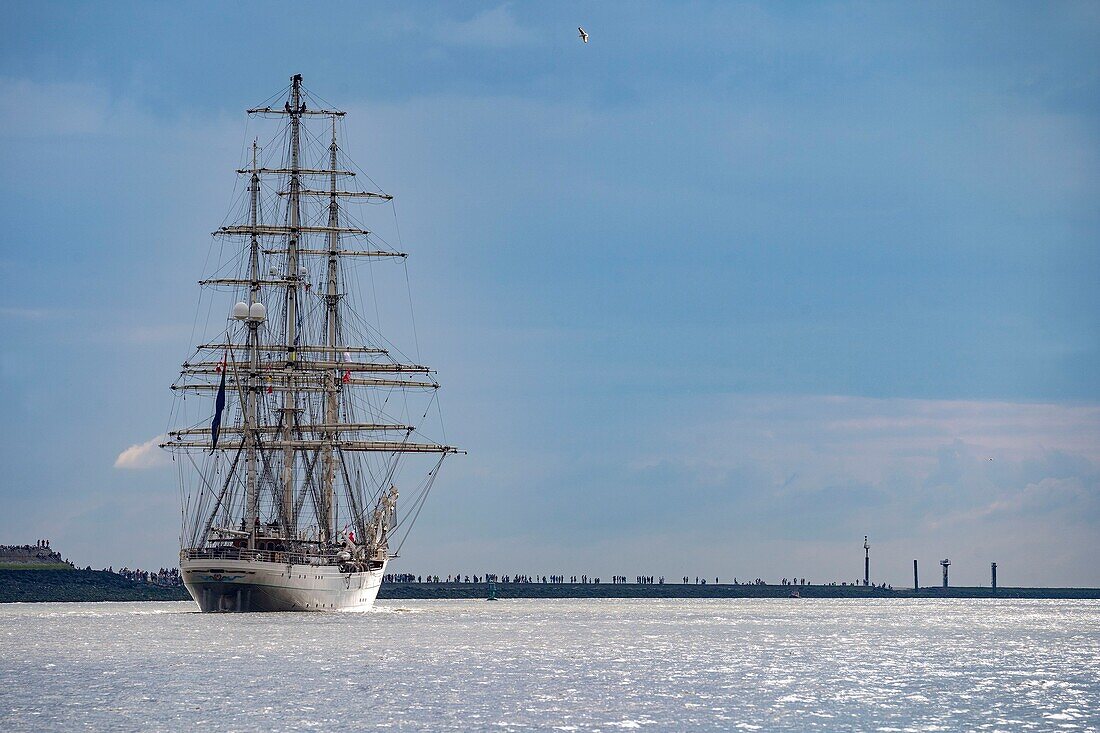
[332,396]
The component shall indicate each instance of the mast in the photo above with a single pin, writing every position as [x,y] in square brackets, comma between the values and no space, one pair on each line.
[332,395]
[252,498]
[290,396]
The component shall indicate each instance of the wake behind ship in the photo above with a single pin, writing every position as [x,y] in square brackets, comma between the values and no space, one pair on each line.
[299,416]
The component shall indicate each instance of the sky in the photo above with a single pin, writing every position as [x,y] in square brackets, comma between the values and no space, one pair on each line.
[716,294]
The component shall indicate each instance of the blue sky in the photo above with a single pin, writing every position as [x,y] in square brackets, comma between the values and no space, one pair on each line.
[718,293]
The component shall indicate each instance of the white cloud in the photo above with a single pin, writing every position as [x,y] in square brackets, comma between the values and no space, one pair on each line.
[868,439]
[495,27]
[32,109]
[154,333]
[143,455]
[1047,495]
[31,314]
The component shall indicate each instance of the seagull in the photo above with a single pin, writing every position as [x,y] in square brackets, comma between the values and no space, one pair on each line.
[583,35]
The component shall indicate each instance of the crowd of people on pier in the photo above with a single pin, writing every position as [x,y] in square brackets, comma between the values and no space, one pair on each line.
[487,577]
[169,577]
[36,555]
[576,579]
[586,579]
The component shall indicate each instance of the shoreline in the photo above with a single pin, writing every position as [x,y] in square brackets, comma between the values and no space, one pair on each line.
[51,586]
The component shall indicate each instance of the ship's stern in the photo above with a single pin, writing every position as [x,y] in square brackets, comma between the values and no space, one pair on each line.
[241,586]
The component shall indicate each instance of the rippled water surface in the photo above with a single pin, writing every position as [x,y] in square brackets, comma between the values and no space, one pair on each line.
[765,664]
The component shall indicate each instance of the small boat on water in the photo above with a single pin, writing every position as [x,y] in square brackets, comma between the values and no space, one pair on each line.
[794,594]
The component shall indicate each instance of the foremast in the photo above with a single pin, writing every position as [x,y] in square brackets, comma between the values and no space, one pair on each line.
[252,497]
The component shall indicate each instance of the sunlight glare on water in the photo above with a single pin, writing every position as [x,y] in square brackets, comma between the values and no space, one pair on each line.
[736,664]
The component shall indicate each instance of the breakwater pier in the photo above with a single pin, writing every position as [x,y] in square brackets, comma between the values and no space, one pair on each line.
[694,590]
[30,586]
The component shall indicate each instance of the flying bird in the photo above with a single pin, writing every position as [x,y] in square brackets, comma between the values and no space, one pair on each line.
[583,34]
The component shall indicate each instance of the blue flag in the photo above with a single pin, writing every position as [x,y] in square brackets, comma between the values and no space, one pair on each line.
[219,405]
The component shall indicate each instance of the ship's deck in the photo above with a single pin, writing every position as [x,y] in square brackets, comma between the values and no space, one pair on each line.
[276,556]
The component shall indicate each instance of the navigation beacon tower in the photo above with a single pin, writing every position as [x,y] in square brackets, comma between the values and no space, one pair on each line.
[866,561]
[946,564]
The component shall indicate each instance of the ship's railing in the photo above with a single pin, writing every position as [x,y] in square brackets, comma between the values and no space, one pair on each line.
[238,553]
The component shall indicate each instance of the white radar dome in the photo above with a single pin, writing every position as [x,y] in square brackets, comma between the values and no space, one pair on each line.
[257,312]
[240,311]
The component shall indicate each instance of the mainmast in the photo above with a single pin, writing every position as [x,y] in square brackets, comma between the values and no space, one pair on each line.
[290,396]
[332,394]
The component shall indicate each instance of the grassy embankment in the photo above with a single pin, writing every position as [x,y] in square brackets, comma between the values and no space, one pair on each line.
[34,566]
[35,586]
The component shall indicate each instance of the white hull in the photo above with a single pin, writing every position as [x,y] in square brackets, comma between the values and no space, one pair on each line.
[255,585]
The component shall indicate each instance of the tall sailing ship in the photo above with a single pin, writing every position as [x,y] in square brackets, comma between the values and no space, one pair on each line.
[291,457]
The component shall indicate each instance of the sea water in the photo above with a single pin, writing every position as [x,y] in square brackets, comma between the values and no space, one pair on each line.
[571,665]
